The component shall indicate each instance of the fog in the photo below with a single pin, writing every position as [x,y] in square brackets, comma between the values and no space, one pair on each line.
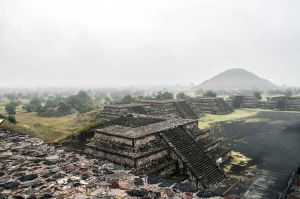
[123,43]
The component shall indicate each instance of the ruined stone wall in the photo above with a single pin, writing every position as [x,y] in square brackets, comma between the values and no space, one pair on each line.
[114,139]
[119,111]
[140,152]
[147,143]
[270,104]
[249,102]
[223,157]
[169,170]
[132,162]
[293,104]
[191,126]
[111,157]
[144,141]
[109,113]
[192,178]
[148,160]
[202,137]
[214,146]
[202,105]
[211,105]
[173,156]
[281,103]
[163,109]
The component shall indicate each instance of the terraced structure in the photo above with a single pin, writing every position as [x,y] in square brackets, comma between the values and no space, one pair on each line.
[212,105]
[156,145]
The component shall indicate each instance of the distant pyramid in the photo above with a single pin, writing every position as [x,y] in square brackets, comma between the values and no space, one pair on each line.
[236,79]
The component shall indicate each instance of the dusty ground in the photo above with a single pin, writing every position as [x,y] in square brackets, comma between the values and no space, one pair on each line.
[270,142]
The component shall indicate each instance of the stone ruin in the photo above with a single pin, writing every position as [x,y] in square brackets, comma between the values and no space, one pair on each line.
[212,105]
[162,108]
[156,145]
[282,103]
[170,108]
[117,110]
[242,101]
[30,168]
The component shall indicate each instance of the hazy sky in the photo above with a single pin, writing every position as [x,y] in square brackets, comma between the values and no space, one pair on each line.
[123,42]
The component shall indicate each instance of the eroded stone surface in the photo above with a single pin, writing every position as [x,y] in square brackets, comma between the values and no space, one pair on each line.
[31,168]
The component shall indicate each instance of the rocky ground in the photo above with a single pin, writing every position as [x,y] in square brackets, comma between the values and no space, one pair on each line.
[30,168]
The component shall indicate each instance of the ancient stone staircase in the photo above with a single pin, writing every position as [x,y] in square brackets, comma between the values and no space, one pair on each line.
[226,108]
[188,150]
[184,110]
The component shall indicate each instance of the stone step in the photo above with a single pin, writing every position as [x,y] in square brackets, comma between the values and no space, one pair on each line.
[196,157]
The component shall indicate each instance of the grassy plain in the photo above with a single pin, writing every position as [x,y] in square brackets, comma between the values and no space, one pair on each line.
[210,119]
[50,129]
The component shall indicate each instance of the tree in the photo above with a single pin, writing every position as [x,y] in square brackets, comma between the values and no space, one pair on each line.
[183,96]
[2,116]
[209,93]
[288,93]
[10,108]
[257,94]
[118,95]
[63,108]
[81,102]
[127,99]
[107,99]
[12,119]
[52,103]
[35,105]
[164,95]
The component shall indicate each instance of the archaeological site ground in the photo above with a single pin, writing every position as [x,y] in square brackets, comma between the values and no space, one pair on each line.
[137,99]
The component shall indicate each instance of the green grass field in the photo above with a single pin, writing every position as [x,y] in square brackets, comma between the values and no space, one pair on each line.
[50,129]
[209,119]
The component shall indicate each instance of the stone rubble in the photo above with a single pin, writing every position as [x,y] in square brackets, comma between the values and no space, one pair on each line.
[30,168]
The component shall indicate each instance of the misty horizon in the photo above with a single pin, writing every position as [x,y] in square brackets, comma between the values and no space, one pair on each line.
[140,43]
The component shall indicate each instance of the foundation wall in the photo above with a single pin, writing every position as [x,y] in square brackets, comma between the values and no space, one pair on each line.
[111,157]
[293,105]
[155,144]
[147,161]
[144,141]
[202,137]
[191,127]
[213,147]
[223,158]
[163,109]
[109,138]
[169,170]
[209,105]
[137,163]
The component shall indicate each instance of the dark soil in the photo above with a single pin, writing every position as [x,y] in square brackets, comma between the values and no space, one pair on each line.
[272,141]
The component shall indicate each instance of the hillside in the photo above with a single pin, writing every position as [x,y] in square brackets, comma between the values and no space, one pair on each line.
[236,79]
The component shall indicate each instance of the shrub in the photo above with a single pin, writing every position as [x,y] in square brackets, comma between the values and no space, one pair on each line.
[12,119]
[209,94]
[10,108]
[257,94]
[164,95]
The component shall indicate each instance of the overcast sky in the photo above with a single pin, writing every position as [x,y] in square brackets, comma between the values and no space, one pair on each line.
[142,42]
